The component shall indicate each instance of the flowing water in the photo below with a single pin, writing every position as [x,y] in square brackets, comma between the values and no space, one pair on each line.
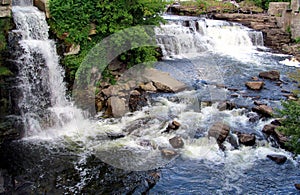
[65,153]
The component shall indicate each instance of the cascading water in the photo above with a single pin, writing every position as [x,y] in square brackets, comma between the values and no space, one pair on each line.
[188,37]
[42,100]
[76,155]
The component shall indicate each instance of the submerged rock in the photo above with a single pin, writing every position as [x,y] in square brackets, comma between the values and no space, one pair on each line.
[176,142]
[273,75]
[219,131]
[278,158]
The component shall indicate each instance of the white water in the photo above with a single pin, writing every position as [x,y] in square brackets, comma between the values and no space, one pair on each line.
[188,37]
[139,149]
[43,102]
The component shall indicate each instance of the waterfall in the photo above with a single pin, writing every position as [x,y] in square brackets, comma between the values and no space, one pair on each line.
[42,102]
[189,36]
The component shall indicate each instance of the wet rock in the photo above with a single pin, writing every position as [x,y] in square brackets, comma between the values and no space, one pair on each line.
[297,186]
[148,87]
[276,122]
[219,131]
[279,159]
[114,136]
[137,102]
[258,103]
[281,139]
[168,153]
[172,127]
[255,85]
[273,75]
[233,140]
[255,78]
[116,107]
[253,117]
[269,129]
[264,110]
[247,139]
[176,142]
[226,106]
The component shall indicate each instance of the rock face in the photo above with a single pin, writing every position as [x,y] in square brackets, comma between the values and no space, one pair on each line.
[279,159]
[273,75]
[220,131]
[255,85]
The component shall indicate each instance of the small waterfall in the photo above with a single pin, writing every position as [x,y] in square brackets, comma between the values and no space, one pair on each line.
[42,102]
[188,36]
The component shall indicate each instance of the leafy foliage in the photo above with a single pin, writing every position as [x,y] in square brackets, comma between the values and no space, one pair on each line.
[74,21]
[291,123]
[291,117]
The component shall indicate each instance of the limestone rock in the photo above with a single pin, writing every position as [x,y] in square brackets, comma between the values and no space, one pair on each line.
[220,131]
[247,139]
[255,85]
[116,107]
[176,142]
[163,81]
[273,75]
[148,87]
[279,159]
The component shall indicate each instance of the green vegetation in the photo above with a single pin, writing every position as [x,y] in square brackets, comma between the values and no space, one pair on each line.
[5,26]
[87,22]
[291,119]
[297,40]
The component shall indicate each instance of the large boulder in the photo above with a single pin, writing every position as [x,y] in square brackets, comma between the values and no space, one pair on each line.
[219,131]
[255,85]
[163,81]
[273,75]
[116,107]
[269,129]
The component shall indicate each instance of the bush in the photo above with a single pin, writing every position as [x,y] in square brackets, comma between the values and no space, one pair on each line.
[73,21]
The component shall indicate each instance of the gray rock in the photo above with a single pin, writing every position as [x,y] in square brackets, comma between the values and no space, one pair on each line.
[163,81]
[116,107]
